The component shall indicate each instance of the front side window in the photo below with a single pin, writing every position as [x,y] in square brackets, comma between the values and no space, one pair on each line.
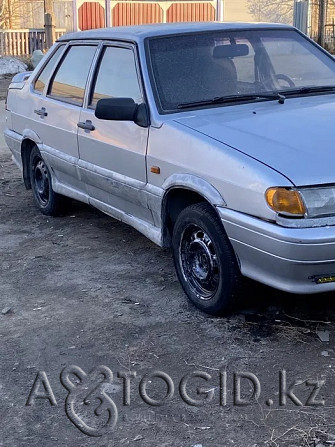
[207,68]
[43,77]
[117,76]
[70,80]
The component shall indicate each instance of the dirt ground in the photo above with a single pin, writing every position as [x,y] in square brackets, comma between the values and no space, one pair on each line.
[87,290]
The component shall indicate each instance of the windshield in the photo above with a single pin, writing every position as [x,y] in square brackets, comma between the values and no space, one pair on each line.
[203,68]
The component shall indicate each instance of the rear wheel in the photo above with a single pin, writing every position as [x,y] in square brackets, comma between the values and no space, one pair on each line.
[47,201]
[205,261]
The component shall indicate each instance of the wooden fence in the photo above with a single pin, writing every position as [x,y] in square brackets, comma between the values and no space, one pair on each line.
[124,12]
[22,42]
[91,14]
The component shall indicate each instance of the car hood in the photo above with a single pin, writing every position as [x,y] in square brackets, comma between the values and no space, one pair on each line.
[296,139]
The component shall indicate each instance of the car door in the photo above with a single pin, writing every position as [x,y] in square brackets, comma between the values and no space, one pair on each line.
[57,111]
[113,153]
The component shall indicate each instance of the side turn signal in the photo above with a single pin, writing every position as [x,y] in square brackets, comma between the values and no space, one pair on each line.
[285,201]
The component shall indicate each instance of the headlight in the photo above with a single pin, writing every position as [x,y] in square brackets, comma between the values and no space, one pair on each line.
[319,201]
[309,202]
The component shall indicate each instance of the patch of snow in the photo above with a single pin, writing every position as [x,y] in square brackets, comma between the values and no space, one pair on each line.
[11,65]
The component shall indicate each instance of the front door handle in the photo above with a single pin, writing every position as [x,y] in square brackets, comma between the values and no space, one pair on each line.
[41,112]
[87,125]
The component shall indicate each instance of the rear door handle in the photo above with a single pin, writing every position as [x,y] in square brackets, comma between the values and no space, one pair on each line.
[87,125]
[41,112]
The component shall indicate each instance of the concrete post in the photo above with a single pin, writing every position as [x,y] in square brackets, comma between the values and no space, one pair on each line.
[220,10]
[300,16]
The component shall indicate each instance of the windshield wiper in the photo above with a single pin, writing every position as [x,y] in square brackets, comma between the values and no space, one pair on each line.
[307,90]
[233,98]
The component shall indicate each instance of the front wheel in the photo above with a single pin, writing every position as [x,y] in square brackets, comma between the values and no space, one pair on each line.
[205,261]
[47,201]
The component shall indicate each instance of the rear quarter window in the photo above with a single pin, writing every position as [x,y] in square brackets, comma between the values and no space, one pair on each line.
[44,75]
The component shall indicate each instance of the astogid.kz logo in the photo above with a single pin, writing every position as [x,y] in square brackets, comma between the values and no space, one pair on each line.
[93,411]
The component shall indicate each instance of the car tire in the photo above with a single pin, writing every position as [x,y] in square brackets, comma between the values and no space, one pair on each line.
[47,201]
[204,259]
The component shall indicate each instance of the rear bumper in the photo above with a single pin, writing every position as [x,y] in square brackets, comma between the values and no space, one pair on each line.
[289,259]
[14,141]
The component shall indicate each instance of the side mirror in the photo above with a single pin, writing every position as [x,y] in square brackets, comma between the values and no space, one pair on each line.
[122,109]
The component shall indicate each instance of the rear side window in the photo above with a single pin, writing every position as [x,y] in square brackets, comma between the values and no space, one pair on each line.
[46,72]
[117,76]
[70,80]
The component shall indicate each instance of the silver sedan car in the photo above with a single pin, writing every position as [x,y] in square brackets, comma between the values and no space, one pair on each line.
[214,139]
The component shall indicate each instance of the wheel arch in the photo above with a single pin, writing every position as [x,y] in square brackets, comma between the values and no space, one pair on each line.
[182,191]
[30,140]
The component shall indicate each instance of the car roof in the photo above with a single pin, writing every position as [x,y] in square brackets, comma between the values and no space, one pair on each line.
[140,32]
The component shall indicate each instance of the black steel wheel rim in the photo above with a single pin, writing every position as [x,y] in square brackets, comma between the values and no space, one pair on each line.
[41,181]
[199,263]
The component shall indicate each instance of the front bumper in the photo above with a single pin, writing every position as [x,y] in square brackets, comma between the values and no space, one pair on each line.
[289,259]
